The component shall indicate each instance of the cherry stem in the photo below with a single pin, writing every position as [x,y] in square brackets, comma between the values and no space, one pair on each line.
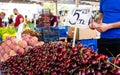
[75,70]
[89,66]
[114,65]
[110,53]
[81,52]
[117,56]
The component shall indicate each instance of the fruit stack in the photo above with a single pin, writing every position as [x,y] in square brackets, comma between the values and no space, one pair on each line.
[44,20]
[13,46]
[59,58]
[30,32]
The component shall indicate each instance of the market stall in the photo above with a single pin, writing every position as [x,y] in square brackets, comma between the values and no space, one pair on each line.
[40,50]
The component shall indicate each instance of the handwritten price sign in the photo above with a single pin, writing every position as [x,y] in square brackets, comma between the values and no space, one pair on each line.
[79,17]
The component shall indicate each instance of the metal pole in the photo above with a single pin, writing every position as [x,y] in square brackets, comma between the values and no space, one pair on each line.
[56,5]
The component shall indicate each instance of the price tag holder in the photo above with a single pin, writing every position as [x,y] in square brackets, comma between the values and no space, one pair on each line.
[19,32]
[79,17]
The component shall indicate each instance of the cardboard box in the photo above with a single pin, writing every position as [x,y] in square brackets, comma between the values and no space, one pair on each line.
[82,33]
[71,33]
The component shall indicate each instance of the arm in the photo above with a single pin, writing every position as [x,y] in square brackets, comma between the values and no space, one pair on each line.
[21,20]
[104,27]
[114,25]
[55,21]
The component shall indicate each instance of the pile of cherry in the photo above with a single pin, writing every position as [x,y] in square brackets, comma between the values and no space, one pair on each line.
[59,58]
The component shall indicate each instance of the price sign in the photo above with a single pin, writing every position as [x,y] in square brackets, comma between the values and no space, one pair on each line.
[79,17]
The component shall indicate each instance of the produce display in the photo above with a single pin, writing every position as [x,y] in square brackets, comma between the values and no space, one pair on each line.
[7,31]
[30,32]
[29,27]
[44,20]
[12,46]
[59,58]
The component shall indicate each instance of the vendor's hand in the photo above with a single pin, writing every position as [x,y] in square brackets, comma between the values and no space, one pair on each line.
[91,26]
[102,27]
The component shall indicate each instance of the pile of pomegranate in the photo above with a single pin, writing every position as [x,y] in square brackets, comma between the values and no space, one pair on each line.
[12,46]
[59,58]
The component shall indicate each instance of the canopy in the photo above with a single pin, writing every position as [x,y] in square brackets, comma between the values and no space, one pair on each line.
[40,1]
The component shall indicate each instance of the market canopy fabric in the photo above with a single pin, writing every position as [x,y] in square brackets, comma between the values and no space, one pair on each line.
[38,1]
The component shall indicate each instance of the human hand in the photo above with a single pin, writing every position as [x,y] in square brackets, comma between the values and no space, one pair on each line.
[102,27]
[92,26]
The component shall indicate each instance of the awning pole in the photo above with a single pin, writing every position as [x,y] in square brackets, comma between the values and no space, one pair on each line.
[77,3]
[56,5]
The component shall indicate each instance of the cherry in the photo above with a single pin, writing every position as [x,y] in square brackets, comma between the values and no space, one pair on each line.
[88,72]
[74,65]
[116,71]
[74,49]
[63,50]
[108,73]
[79,45]
[94,62]
[53,73]
[61,64]
[83,72]
[62,70]
[67,65]
[60,55]
[68,60]
[97,73]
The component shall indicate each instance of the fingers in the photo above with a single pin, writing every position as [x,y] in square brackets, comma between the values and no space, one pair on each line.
[99,29]
[91,26]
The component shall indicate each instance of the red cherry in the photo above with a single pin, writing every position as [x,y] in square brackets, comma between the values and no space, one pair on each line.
[74,49]
[116,71]
[97,73]
[62,70]
[68,60]
[53,73]
[67,65]
[88,72]
[60,55]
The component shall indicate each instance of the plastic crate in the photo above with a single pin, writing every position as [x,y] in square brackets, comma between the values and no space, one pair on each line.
[51,39]
[92,43]
[0,39]
[0,73]
[50,34]
[54,32]
[63,31]
[39,29]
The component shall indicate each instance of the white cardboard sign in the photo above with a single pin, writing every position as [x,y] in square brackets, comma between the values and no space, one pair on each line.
[79,17]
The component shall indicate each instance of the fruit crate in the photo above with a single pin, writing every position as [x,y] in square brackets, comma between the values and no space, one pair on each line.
[92,43]
[0,39]
[0,73]
[63,31]
[51,39]
[50,34]
[39,29]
